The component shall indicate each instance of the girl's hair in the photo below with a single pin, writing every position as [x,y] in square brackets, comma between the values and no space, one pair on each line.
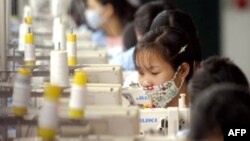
[143,19]
[76,10]
[145,15]
[169,43]
[182,20]
[213,71]
[217,109]
[129,38]
[122,8]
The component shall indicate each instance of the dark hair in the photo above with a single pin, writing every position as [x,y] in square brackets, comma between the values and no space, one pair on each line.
[146,13]
[76,10]
[220,107]
[182,20]
[122,8]
[129,37]
[167,43]
[213,71]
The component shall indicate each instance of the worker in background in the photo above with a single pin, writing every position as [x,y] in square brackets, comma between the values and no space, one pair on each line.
[142,22]
[220,108]
[129,38]
[108,18]
[213,71]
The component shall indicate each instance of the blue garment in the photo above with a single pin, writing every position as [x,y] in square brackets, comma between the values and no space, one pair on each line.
[99,38]
[82,27]
[125,59]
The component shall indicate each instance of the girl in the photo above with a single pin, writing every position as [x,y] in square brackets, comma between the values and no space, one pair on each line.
[164,61]
[109,16]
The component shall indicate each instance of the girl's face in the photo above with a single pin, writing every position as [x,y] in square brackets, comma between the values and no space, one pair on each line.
[153,70]
[101,10]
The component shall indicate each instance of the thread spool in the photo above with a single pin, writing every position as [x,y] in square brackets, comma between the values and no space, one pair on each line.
[78,95]
[55,8]
[56,22]
[21,92]
[29,52]
[182,103]
[59,72]
[28,20]
[58,33]
[26,11]
[71,49]
[24,28]
[27,17]
[48,115]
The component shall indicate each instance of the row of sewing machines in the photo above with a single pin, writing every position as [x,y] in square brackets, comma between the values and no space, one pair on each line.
[112,110]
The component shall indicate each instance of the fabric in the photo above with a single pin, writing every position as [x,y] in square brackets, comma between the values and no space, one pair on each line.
[125,59]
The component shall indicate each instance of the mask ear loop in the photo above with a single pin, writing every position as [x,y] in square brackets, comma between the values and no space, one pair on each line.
[175,75]
[182,82]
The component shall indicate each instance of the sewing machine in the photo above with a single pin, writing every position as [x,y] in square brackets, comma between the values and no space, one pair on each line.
[92,57]
[135,95]
[103,73]
[98,121]
[165,121]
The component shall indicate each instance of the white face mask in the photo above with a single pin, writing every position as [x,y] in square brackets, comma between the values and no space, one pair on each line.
[93,18]
[162,94]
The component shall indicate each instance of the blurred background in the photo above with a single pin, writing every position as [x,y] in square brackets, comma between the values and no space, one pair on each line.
[223,25]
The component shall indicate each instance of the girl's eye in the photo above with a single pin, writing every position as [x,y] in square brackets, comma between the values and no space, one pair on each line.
[140,72]
[154,73]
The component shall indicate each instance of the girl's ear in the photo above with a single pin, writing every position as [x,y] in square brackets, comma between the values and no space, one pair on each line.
[185,69]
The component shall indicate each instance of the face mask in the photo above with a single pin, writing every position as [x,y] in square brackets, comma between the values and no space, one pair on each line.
[93,18]
[162,94]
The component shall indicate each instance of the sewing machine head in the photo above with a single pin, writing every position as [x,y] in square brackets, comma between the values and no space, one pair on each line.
[111,74]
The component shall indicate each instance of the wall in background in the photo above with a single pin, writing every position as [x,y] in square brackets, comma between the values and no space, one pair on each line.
[235,33]
[207,19]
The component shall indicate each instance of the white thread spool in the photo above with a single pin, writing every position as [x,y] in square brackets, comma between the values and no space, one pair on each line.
[59,72]
[23,30]
[29,51]
[48,115]
[21,92]
[182,103]
[27,11]
[56,8]
[71,49]
[56,22]
[78,95]
[58,33]
[49,109]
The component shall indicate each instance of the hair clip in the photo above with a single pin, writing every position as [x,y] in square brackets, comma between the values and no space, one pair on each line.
[183,49]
